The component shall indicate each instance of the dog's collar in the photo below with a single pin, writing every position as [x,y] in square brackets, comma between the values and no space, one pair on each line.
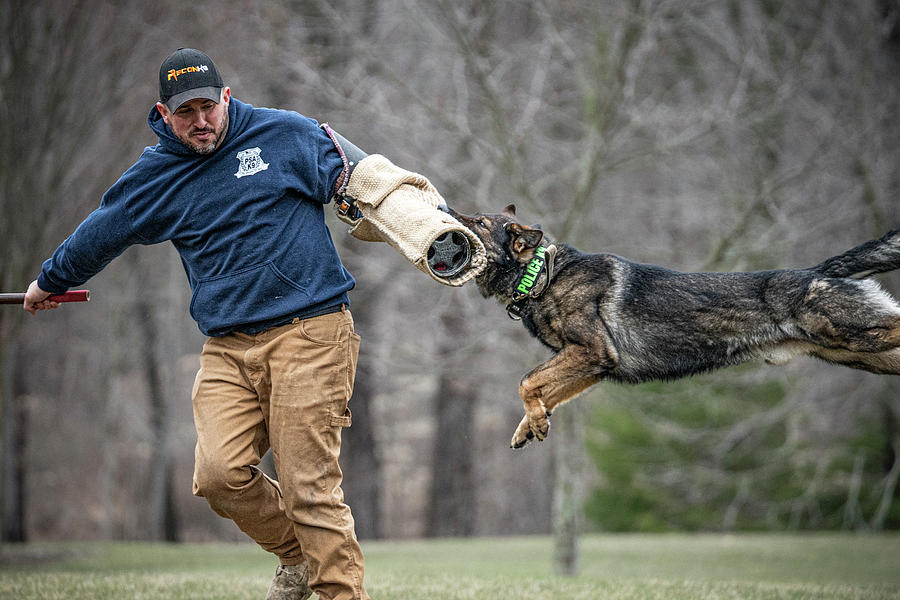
[534,281]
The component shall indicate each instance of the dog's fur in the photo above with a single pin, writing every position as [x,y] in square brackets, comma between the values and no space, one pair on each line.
[608,318]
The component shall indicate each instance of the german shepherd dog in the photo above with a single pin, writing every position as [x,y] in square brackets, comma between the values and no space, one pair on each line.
[608,318]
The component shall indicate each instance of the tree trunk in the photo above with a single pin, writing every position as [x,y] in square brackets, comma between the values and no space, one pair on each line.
[14,443]
[163,522]
[451,509]
[890,462]
[568,490]
[359,459]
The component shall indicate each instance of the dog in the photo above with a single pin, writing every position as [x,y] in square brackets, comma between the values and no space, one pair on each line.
[609,318]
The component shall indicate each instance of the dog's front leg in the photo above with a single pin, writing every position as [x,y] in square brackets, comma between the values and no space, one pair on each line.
[572,370]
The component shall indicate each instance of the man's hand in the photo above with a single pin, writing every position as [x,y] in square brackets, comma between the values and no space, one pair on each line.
[36,299]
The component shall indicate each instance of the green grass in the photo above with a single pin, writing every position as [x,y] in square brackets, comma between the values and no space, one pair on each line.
[615,567]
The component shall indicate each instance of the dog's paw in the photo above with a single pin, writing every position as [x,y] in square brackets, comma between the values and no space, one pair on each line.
[530,429]
[522,435]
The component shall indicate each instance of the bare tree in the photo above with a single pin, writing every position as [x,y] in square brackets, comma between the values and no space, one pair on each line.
[149,312]
[451,505]
[53,97]
[359,454]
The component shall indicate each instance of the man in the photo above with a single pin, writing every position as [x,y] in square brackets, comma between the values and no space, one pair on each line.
[240,192]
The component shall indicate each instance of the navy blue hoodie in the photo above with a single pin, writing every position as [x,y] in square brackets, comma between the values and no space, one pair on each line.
[247,220]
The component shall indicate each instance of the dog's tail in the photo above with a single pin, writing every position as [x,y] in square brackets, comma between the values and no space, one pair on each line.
[875,256]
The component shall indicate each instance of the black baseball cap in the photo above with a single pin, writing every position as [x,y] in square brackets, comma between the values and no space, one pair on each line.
[188,74]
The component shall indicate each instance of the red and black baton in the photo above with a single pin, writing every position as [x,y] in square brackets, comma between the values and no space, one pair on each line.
[70,296]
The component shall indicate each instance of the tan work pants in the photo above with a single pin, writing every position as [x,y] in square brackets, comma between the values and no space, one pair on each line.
[286,388]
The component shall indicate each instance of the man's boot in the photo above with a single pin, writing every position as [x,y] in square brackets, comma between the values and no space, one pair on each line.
[290,583]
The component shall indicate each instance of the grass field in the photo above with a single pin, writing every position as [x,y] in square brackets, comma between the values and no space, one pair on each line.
[615,567]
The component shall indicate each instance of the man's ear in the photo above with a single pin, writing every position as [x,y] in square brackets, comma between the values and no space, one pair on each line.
[163,111]
[524,238]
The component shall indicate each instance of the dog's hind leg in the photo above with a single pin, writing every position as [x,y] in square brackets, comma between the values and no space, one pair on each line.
[884,363]
[569,372]
[850,316]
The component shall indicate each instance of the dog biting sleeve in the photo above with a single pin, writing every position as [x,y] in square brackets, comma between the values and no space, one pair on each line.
[401,208]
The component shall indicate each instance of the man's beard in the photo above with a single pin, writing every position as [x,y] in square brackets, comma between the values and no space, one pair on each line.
[207,147]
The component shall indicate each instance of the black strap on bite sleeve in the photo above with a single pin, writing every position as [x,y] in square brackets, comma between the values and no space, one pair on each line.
[350,155]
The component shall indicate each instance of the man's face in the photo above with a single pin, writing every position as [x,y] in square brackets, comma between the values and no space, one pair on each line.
[200,124]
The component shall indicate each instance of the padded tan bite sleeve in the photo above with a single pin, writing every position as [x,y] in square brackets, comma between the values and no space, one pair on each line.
[401,208]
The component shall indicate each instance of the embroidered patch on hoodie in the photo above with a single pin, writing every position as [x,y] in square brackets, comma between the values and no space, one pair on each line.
[251,162]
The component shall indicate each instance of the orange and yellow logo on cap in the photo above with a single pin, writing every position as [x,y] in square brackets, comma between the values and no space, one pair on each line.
[173,73]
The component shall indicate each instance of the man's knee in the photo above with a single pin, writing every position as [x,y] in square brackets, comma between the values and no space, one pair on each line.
[215,479]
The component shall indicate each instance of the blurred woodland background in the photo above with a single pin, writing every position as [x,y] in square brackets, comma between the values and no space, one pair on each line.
[694,134]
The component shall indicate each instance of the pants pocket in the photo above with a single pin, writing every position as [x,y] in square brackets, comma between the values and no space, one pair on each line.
[340,413]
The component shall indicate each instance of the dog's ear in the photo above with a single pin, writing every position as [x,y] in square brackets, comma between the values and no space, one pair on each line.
[524,239]
[510,210]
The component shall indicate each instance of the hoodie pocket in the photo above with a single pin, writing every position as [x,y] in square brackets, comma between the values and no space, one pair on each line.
[251,295]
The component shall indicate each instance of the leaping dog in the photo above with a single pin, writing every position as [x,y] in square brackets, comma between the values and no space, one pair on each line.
[608,318]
